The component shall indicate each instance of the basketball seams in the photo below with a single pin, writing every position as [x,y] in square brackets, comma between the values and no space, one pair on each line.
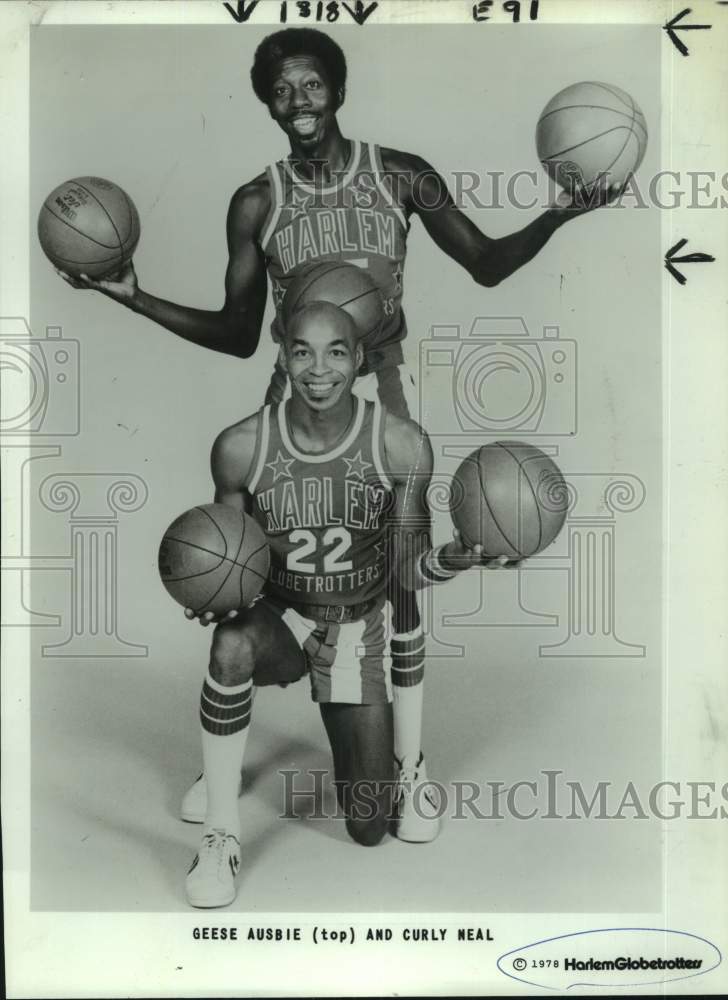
[614,93]
[536,504]
[223,582]
[106,246]
[361,295]
[312,278]
[261,576]
[591,138]
[90,263]
[217,526]
[331,267]
[596,107]
[202,548]
[134,223]
[242,538]
[211,597]
[484,497]
[624,144]
[243,567]
[105,211]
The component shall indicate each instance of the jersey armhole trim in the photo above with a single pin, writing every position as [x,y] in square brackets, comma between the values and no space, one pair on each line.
[262,439]
[375,157]
[378,448]
[276,204]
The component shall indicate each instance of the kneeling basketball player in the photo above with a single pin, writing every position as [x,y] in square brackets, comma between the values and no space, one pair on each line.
[339,486]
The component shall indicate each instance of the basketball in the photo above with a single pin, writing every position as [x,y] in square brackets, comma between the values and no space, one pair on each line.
[510,498]
[347,286]
[590,130]
[88,226]
[213,559]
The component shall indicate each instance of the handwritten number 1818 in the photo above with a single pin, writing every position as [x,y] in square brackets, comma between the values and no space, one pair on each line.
[317,9]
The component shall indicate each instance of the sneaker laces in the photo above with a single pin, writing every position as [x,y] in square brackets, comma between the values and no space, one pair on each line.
[215,842]
[407,776]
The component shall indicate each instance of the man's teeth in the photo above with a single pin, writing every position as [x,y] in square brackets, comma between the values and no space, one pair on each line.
[304,123]
[320,390]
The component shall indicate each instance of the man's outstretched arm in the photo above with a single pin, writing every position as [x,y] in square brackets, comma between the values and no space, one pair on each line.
[412,558]
[233,329]
[424,193]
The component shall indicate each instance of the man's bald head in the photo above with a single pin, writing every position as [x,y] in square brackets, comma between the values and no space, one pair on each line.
[325,316]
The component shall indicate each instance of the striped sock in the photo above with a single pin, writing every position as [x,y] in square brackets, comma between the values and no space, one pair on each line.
[408,672]
[224,718]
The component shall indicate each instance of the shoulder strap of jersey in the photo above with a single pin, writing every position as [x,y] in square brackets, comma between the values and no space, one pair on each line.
[379,452]
[375,158]
[262,440]
[276,203]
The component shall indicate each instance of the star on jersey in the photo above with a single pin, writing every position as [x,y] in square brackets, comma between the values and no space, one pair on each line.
[357,465]
[278,292]
[280,467]
[301,204]
[397,275]
[379,549]
[362,194]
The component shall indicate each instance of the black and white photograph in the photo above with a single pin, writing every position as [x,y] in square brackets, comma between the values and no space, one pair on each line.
[363,550]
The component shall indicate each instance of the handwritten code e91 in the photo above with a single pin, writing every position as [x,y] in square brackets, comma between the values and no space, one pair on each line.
[484,10]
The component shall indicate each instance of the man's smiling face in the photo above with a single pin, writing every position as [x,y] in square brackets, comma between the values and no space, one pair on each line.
[302,100]
[322,355]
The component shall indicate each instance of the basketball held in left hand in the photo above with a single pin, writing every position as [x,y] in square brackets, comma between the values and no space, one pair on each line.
[510,498]
[591,133]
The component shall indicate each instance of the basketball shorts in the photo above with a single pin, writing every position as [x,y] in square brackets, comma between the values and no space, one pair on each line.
[394,386]
[348,663]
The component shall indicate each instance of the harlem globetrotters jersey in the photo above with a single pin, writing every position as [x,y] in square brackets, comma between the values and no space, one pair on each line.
[323,514]
[355,219]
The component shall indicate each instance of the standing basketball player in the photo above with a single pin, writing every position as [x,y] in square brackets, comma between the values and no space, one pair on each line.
[340,199]
[338,484]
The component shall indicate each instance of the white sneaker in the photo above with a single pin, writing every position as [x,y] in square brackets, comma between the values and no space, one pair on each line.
[211,879]
[194,803]
[418,821]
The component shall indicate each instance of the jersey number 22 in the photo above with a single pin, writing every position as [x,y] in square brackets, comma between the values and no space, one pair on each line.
[336,540]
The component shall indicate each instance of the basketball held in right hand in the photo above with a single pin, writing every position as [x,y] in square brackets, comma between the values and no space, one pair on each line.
[121,286]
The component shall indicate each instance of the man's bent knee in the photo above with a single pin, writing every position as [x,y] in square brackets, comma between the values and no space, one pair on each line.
[232,656]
